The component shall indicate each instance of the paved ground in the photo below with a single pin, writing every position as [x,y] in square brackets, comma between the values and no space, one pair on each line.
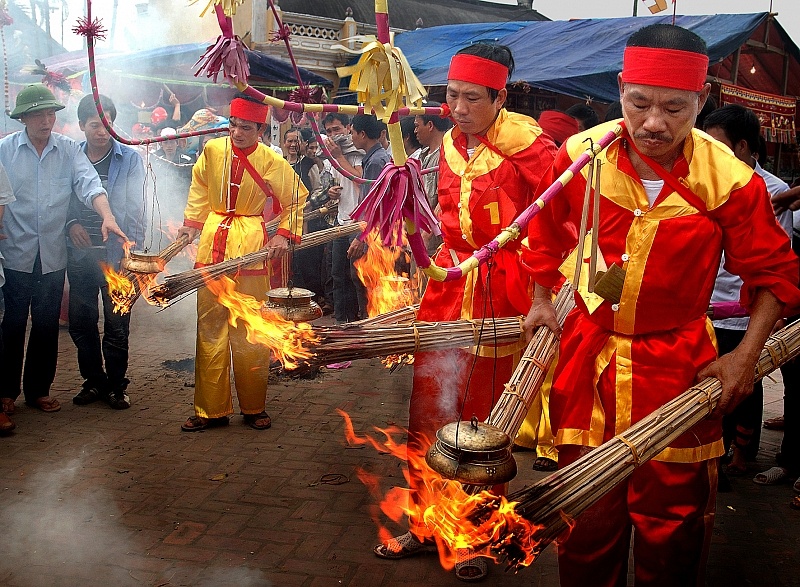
[93,496]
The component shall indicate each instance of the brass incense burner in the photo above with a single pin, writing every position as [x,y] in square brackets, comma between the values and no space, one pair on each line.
[140,262]
[293,303]
[472,453]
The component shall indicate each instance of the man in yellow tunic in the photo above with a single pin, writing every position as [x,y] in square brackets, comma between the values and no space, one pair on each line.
[231,183]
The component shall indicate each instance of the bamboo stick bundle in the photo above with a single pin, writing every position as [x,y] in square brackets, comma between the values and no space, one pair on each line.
[511,408]
[188,281]
[554,501]
[404,315]
[347,343]
[330,207]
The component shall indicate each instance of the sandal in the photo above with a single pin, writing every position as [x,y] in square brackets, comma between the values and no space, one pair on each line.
[402,546]
[195,423]
[771,476]
[544,464]
[8,405]
[795,503]
[45,403]
[260,421]
[796,486]
[470,567]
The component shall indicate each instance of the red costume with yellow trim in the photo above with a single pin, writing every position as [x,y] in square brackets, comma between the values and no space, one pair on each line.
[228,205]
[625,360]
[479,196]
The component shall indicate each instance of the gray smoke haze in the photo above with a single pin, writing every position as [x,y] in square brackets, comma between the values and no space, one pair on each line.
[47,525]
[235,577]
[448,374]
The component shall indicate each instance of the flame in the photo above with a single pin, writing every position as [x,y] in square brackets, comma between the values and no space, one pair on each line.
[121,289]
[444,512]
[125,288]
[387,290]
[288,341]
[393,362]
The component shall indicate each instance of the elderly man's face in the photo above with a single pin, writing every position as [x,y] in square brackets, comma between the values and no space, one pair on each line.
[659,119]
[39,124]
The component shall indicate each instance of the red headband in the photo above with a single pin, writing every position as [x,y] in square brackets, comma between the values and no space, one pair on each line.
[477,70]
[666,68]
[247,110]
[558,125]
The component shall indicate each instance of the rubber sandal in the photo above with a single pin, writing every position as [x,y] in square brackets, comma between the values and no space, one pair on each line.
[402,546]
[196,423]
[796,486]
[470,567]
[6,425]
[256,421]
[772,476]
[8,405]
[544,464]
[45,404]
[339,366]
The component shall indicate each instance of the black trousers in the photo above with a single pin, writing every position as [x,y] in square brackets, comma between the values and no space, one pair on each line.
[86,282]
[749,413]
[38,296]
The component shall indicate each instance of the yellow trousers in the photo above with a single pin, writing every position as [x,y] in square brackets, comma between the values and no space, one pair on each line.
[535,431]
[218,345]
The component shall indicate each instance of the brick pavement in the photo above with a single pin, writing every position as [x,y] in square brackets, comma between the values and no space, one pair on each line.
[93,496]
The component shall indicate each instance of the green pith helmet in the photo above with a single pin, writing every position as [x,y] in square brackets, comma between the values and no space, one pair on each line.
[33,98]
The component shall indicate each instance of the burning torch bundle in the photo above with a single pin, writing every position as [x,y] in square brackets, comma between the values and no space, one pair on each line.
[554,501]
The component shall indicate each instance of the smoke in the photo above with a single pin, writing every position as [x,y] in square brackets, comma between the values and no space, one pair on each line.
[58,521]
[446,372]
[234,577]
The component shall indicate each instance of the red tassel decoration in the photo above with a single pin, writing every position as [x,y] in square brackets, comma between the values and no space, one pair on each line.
[398,194]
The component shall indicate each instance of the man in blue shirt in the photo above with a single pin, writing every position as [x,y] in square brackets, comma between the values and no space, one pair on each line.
[45,168]
[121,172]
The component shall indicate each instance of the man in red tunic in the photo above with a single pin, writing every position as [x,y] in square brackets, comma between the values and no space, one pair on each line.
[671,200]
[489,169]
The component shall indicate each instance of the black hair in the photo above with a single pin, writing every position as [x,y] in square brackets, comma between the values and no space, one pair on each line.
[407,130]
[440,123]
[762,150]
[613,112]
[708,108]
[368,124]
[307,134]
[667,36]
[87,108]
[583,113]
[293,129]
[498,53]
[336,116]
[738,123]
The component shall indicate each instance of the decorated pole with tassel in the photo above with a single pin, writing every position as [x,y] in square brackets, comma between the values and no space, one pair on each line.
[94,29]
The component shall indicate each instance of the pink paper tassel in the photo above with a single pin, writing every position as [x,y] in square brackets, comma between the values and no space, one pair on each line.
[398,194]
[226,55]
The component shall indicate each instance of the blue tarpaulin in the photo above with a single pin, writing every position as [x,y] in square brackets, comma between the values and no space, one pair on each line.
[579,58]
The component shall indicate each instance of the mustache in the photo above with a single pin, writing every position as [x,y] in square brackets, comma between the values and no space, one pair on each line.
[653,136]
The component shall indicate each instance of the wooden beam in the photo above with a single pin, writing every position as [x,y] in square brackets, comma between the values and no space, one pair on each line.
[764,47]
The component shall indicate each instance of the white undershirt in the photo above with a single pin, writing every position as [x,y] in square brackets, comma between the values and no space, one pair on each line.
[652,188]
[470,152]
